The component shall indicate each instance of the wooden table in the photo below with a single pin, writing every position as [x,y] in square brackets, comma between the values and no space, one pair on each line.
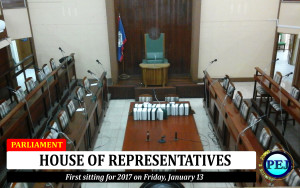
[155,74]
[185,126]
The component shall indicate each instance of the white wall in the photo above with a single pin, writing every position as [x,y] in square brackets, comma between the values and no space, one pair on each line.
[289,18]
[76,26]
[17,23]
[239,33]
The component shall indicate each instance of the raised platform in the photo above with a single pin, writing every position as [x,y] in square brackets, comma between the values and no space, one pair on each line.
[182,85]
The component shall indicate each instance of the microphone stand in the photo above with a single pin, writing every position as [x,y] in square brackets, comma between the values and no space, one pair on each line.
[94,76]
[84,106]
[69,141]
[204,79]
[66,63]
[244,130]
[94,98]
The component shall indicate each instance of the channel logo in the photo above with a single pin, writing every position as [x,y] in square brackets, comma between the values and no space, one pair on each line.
[276,165]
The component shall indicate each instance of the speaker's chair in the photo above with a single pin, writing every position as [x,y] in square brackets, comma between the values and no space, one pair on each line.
[155,49]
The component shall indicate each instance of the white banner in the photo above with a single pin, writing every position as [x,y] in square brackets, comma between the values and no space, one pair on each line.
[131,160]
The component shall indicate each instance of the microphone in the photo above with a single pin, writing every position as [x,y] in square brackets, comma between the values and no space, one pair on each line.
[69,141]
[77,99]
[210,63]
[98,62]
[61,50]
[243,131]
[11,89]
[215,60]
[94,75]
[289,74]
[175,138]
[155,96]
[148,136]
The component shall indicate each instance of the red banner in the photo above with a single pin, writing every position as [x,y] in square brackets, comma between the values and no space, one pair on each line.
[36,145]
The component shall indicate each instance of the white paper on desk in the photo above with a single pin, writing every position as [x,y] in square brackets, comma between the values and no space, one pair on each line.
[80,109]
[140,113]
[149,114]
[181,109]
[186,109]
[153,105]
[144,114]
[176,109]
[160,114]
[158,106]
[163,106]
[153,116]
[88,95]
[173,110]
[136,105]
[140,106]
[168,109]
[94,84]
[149,105]
[135,116]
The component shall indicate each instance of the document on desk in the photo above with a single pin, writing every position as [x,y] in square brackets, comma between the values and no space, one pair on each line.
[168,109]
[181,109]
[94,84]
[149,113]
[144,114]
[88,95]
[160,114]
[153,115]
[163,106]
[186,109]
[80,109]
[139,113]
[135,115]
[176,109]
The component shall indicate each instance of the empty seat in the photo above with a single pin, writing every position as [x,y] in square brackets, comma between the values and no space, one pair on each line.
[86,83]
[244,110]
[145,98]
[79,93]
[171,98]
[30,84]
[71,108]
[265,138]
[252,120]
[262,92]
[40,75]
[53,133]
[277,146]
[52,64]
[237,101]
[226,82]
[276,108]
[230,90]
[293,180]
[4,108]
[46,69]
[63,119]
[19,94]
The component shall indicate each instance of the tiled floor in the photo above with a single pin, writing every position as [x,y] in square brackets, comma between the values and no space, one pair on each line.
[113,130]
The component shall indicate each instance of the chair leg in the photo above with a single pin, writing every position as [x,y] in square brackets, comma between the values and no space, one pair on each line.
[276,118]
[269,111]
[260,101]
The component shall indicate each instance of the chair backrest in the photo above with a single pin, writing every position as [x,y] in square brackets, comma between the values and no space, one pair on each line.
[19,94]
[71,108]
[230,89]
[295,93]
[145,98]
[40,75]
[251,120]
[4,108]
[171,98]
[277,146]
[30,85]
[265,138]
[293,180]
[154,49]
[52,64]
[244,110]
[52,134]
[19,185]
[86,83]
[226,82]
[63,119]
[237,101]
[46,69]
[277,78]
[79,93]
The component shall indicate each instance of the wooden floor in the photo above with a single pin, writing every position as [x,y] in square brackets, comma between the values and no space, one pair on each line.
[182,85]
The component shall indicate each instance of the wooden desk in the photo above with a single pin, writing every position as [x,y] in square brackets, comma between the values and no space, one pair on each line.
[228,123]
[155,74]
[185,126]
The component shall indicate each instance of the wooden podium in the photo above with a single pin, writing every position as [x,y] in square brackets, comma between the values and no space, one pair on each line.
[155,74]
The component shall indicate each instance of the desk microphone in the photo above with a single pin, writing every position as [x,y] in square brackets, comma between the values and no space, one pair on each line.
[77,99]
[162,140]
[69,141]
[218,80]
[244,130]
[148,136]
[94,75]
[62,51]
[210,63]
[101,65]
[289,74]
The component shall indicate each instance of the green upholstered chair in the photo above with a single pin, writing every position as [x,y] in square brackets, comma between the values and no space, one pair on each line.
[155,50]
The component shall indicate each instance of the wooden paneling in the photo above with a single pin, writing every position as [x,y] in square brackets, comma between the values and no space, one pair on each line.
[4,66]
[8,4]
[172,17]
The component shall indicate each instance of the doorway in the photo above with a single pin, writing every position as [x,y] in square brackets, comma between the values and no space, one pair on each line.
[287,51]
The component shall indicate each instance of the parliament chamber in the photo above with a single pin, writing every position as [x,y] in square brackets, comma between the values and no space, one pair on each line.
[163,75]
